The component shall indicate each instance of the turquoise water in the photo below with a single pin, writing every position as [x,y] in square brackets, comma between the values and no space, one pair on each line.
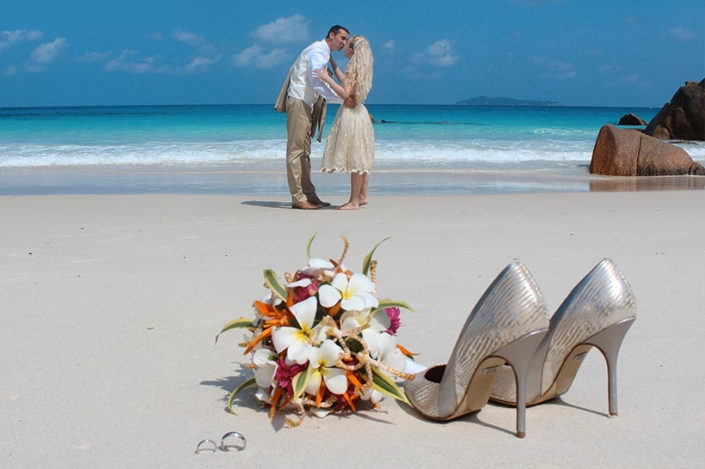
[470,139]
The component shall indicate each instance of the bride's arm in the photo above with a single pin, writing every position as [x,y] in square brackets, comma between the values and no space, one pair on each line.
[342,91]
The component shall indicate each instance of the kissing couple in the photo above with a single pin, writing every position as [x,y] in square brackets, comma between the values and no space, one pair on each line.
[309,87]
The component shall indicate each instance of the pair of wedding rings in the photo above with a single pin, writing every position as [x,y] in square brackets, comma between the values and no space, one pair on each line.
[209,445]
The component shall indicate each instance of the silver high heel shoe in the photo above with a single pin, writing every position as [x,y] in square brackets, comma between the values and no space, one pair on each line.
[597,313]
[506,326]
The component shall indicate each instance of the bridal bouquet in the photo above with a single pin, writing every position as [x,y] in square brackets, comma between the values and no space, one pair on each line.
[322,341]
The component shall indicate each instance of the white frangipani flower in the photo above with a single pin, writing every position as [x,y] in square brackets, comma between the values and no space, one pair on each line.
[317,263]
[354,294]
[304,282]
[321,269]
[322,364]
[373,325]
[380,322]
[264,360]
[263,395]
[383,347]
[297,341]
[389,353]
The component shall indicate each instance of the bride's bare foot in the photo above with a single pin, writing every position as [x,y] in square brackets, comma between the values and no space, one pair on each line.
[363,202]
[348,206]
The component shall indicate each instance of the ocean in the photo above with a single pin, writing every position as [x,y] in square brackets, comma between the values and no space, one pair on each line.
[241,149]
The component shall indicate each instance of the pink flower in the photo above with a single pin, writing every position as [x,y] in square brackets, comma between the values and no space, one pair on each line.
[393,314]
[306,291]
[286,373]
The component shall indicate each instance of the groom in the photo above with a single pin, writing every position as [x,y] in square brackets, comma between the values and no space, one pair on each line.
[303,92]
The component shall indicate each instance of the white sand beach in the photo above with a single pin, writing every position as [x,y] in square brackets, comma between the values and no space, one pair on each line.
[109,306]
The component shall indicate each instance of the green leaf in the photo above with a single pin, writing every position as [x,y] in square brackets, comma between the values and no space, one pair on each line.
[354,345]
[368,258]
[387,386]
[247,384]
[391,304]
[300,382]
[273,282]
[308,245]
[236,324]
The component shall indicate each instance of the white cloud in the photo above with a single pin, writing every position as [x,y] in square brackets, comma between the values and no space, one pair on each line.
[291,30]
[91,57]
[130,63]
[245,58]
[438,54]
[47,52]
[608,68]
[11,70]
[194,40]
[679,33]
[390,45]
[273,58]
[201,64]
[189,38]
[33,35]
[255,55]
[555,68]
[636,81]
[8,38]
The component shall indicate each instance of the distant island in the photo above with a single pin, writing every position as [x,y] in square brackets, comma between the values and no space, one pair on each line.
[490,101]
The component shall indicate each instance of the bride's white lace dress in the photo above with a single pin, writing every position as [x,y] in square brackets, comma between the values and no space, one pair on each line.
[351,143]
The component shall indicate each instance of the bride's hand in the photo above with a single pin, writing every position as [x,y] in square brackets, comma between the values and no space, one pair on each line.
[322,74]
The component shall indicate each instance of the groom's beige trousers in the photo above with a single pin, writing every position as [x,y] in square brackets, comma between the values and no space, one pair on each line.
[298,150]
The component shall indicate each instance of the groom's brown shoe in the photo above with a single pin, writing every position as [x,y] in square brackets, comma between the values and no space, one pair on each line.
[316,201]
[305,206]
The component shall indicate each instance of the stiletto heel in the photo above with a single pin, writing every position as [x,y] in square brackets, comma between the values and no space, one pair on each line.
[597,313]
[505,326]
[609,342]
[518,355]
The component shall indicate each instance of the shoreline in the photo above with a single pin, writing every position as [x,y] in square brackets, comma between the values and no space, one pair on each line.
[230,179]
[111,304]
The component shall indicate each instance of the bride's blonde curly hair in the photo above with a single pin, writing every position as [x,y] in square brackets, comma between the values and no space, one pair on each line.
[360,67]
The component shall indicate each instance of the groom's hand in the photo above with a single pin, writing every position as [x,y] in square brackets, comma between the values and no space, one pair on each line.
[350,102]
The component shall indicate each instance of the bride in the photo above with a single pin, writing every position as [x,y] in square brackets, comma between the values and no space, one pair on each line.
[351,144]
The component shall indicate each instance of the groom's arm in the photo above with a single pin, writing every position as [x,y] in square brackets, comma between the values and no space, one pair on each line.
[317,60]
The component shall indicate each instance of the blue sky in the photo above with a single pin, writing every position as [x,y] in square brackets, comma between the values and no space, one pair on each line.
[582,53]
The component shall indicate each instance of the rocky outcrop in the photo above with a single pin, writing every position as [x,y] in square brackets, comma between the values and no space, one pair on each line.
[631,119]
[684,117]
[627,152]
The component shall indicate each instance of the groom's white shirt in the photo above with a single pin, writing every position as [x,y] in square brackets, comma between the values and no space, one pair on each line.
[304,85]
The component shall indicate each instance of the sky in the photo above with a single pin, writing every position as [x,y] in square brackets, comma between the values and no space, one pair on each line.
[581,53]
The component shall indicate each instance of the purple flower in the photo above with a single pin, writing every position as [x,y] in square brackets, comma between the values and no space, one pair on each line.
[394,320]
